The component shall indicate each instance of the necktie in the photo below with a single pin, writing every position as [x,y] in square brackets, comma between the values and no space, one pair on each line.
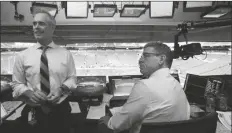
[44,72]
[45,85]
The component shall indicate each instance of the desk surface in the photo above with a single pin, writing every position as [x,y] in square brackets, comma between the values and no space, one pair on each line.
[221,128]
[80,123]
[11,107]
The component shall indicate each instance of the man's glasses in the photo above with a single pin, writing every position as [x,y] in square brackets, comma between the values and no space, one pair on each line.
[147,55]
[39,23]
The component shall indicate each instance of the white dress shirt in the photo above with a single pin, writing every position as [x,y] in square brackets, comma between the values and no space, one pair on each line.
[160,98]
[26,71]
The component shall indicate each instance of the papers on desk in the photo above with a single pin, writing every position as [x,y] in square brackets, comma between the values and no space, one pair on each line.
[106,98]
[62,98]
[75,107]
[3,112]
[123,87]
[225,119]
[123,90]
[115,110]
[96,112]
[195,108]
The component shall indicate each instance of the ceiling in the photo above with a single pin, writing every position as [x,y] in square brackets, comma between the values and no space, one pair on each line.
[115,29]
[123,33]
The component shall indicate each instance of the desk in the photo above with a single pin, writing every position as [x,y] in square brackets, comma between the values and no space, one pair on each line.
[79,123]
[221,128]
[11,107]
[83,125]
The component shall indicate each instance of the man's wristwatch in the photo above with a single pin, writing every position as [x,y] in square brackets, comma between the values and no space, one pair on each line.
[65,90]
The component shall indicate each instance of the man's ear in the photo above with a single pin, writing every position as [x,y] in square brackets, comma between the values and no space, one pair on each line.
[162,59]
[53,26]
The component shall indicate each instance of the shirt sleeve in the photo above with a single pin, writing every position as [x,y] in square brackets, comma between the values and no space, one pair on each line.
[132,111]
[70,82]
[19,83]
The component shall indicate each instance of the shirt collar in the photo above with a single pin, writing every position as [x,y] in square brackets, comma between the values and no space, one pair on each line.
[51,45]
[161,72]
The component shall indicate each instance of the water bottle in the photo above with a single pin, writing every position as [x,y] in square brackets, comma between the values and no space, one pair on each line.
[31,117]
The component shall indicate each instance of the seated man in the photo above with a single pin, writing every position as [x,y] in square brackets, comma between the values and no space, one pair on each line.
[159,98]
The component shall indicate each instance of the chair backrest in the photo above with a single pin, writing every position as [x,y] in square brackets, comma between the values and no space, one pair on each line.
[203,124]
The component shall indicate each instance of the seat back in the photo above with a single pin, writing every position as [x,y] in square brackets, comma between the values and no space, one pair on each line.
[203,124]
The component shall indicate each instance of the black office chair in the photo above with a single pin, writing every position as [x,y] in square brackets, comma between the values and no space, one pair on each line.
[204,124]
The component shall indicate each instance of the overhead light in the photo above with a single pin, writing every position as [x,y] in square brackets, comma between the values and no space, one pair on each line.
[104,10]
[193,4]
[157,9]
[196,6]
[217,11]
[76,9]
[51,8]
[133,10]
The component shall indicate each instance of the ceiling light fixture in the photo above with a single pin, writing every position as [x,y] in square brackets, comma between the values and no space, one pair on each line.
[104,10]
[217,11]
[133,10]
[197,6]
[76,9]
[157,9]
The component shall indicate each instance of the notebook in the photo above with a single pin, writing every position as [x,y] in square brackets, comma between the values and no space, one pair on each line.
[9,107]
[3,112]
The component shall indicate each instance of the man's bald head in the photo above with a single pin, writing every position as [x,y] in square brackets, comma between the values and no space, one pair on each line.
[51,19]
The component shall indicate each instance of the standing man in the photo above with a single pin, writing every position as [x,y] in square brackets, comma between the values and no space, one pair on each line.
[159,98]
[41,75]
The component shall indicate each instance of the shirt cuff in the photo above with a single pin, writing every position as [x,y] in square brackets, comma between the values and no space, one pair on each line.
[65,89]
[18,92]
[109,125]
[70,83]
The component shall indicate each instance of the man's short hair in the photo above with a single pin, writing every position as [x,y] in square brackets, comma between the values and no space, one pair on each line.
[162,48]
[52,19]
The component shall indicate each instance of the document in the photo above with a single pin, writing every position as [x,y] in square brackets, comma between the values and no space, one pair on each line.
[106,98]
[195,108]
[3,112]
[123,90]
[62,98]
[75,107]
[123,87]
[115,110]
[225,119]
[96,112]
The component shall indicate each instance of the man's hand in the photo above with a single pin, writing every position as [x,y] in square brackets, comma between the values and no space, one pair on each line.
[104,119]
[54,96]
[36,98]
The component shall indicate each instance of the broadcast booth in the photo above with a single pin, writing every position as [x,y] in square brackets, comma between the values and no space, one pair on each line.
[106,40]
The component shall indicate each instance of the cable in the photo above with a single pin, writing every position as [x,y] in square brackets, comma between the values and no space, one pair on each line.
[201,55]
